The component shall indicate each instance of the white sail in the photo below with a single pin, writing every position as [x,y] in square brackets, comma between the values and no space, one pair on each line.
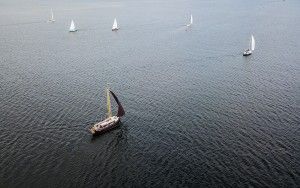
[252,43]
[191,21]
[72,26]
[52,16]
[115,25]
[51,19]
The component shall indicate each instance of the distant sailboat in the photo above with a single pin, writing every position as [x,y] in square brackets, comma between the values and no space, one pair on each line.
[115,25]
[51,19]
[191,21]
[72,27]
[111,121]
[251,47]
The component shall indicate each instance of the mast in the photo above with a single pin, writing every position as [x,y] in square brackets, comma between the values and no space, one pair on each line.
[191,19]
[109,114]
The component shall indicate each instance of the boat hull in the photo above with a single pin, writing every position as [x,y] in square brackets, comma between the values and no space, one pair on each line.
[247,53]
[115,29]
[107,126]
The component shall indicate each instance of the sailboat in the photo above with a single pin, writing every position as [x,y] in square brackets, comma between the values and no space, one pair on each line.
[251,47]
[72,27]
[51,19]
[111,121]
[115,26]
[191,21]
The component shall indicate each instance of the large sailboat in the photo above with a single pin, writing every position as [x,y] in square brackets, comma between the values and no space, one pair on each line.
[251,47]
[115,25]
[72,27]
[111,121]
[51,19]
[191,22]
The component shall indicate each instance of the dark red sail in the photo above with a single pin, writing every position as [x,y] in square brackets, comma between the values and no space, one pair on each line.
[121,111]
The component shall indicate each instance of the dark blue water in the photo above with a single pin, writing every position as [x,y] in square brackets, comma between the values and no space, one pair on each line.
[198,113]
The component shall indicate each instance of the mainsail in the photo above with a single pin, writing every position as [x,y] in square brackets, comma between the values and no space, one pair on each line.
[121,111]
[115,25]
[52,16]
[109,114]
[191,21]
[252,43]
[72,26]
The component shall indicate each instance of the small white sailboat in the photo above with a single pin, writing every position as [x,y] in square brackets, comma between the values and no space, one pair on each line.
[72,27]
[51,19]
[191,21]
[251,47]
[115,25]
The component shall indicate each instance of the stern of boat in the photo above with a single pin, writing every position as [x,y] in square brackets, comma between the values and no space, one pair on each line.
[92,130]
